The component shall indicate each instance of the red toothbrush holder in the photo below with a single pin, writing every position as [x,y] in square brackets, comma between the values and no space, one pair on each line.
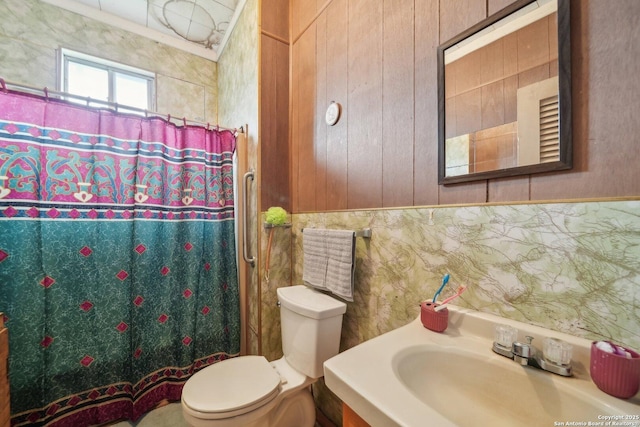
[614,374]
[436,321]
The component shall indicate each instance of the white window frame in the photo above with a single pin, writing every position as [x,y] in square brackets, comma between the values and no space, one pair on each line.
[112,67]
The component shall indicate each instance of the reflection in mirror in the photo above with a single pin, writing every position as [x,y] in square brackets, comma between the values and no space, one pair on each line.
[504,95]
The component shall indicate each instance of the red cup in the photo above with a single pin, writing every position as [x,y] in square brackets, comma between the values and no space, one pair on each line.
[614,374]
[436,321]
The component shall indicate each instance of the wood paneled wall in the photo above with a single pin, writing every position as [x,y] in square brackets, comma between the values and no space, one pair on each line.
[366,161]
[377,58]
[5,395]
[274,105]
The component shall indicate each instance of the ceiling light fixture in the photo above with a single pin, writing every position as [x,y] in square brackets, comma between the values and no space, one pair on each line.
[190,20]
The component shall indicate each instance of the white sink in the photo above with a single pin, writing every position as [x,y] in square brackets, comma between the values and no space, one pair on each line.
[414,377]
[492,393]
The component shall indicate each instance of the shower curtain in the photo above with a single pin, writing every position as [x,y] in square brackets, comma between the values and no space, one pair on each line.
[117,259]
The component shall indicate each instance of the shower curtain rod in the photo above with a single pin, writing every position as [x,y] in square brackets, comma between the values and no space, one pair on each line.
[110,105]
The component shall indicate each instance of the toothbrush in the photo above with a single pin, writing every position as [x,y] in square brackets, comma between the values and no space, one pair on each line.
[460,290]
[445,279]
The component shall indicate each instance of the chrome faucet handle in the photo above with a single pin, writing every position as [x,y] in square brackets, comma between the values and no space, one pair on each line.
[522,349]
[556,357]
[523,352]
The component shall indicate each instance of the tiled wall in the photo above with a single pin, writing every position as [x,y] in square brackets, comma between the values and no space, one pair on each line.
[279,275]
[31,31]
[238,106]
[571,267]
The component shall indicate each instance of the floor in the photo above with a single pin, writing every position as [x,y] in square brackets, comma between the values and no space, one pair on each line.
[169,415]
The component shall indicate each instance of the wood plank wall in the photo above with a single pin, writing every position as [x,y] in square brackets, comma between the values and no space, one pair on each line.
[274,105]
[372,57]
[5,395]
[377,58]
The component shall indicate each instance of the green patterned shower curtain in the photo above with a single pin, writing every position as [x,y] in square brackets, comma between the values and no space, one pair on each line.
[117,259]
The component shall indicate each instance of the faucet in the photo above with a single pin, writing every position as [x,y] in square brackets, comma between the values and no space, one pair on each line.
[526,354]
[522,352]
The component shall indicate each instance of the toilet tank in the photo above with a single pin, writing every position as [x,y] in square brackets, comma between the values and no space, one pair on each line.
[311,325]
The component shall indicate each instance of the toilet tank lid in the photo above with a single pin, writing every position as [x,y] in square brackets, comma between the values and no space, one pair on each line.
[309,302]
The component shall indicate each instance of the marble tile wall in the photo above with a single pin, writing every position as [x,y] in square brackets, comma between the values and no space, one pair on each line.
[32,31]
[238,106]
[238,74]
[279,275]
[571,267]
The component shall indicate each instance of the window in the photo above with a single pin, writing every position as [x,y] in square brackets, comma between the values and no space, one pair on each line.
[104,80]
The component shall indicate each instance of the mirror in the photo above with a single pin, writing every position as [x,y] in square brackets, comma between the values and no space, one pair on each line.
[504,95]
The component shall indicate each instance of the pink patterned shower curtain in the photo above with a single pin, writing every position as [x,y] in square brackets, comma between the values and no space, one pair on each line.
[117,259]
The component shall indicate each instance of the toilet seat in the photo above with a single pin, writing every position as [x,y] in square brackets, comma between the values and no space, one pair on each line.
[232,387]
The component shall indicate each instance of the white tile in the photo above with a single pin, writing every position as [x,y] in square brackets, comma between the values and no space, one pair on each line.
[199,32]
[155,25]
[202,17]
[155,15]
[218,12]
[179,23]
[132,10]
[92,3]
[182,8]
[229,4]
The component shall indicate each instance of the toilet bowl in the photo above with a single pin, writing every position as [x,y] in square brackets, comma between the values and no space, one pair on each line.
[250,391]
[246,391]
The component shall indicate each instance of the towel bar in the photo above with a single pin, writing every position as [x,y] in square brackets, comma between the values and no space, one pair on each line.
[364,233]
[268,225]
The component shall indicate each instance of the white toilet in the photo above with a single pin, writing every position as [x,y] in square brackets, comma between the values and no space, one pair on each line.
[249,391]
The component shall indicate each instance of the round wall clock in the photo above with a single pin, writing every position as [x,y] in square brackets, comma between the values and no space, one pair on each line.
[333,114]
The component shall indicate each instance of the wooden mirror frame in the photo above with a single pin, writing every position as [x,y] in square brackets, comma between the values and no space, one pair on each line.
[564,95]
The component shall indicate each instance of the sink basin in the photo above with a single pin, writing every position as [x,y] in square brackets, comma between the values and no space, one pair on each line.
[413,377]
[491,393]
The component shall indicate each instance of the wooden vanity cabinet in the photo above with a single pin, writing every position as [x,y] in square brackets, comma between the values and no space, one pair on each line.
[351,419]
[5,415]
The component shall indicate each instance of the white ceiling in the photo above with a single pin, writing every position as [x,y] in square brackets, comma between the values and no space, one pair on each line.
[201,27]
